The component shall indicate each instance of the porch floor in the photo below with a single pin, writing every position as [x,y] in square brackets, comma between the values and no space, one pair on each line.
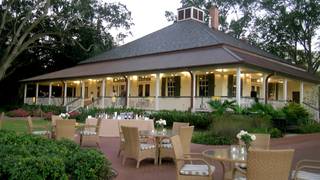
[306,147]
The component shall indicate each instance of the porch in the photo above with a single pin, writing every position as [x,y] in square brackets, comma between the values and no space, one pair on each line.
[182,90]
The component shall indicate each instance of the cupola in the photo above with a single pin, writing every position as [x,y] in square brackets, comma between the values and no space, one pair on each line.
[190,13]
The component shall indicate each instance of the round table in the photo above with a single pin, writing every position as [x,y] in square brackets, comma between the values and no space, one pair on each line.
[232,154]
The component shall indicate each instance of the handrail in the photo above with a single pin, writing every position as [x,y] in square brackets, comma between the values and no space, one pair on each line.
[312,107]
[71,102]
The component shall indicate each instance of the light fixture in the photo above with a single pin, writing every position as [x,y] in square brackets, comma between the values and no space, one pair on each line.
[135,78]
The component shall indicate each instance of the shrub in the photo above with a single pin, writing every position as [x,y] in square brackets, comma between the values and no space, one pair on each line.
[18,113]
[310,128]
[33,157]
[37,110]
[296,115]
[211,139]
[230,124]
[199,120]
[275,133]
[220,108]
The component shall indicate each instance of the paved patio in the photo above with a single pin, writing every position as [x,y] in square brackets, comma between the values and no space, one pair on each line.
[306,147]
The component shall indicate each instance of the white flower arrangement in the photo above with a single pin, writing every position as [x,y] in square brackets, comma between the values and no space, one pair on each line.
[161,122]
[64,115]
[246,137]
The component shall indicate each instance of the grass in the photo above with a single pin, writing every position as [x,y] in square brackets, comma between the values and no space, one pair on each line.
[21,125]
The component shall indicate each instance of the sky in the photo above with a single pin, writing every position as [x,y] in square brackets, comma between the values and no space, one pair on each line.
[148,15]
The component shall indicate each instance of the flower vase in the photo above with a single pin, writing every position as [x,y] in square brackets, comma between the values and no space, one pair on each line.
[247,146]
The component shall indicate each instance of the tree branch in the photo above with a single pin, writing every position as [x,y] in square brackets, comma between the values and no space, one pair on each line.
[3,21]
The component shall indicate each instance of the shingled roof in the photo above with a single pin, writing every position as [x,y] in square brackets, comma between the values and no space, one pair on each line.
[181,35]
[184,44]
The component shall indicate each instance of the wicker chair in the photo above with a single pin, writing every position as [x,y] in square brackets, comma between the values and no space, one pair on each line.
[65,129]
[266,165]
[134,149]
[54,118]
[166,150]
[188,167]
[262,141]
[306,170]
[166,146]
[1,119]
[43,132]
[90,133]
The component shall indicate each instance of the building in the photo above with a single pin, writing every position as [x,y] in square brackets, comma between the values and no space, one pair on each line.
[180,67]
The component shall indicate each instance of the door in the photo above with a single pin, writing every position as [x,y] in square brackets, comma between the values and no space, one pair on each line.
[296,96]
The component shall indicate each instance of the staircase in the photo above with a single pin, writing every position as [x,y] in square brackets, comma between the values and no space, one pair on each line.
[74,105]
[315,112]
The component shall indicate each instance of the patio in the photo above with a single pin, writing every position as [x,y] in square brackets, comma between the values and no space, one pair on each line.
[306,147]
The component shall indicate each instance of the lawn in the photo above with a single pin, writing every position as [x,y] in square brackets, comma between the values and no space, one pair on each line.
[21,125]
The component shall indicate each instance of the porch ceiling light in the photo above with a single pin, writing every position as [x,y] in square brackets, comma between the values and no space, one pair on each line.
[134,78]
[76,82]
[153,75]
[184,73]
[109,78]
[259,74]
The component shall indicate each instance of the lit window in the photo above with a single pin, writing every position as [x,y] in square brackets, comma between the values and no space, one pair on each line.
[203,85]
[171,85]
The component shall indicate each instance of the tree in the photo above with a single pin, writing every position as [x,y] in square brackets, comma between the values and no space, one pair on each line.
[47,28]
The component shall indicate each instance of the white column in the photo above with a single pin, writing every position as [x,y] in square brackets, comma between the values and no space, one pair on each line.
[65,93]
[285,90]
[194,80]
[263,94]
[103,89]
[128,92]
[50,92]
[238,92]
[301,92]
[82,93]
[25,94]
[37,92]
[157,94]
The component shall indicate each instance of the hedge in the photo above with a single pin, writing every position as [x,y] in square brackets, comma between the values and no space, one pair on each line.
[27,157]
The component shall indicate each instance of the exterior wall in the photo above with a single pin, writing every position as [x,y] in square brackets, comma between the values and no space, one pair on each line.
[293,86]
[185,85]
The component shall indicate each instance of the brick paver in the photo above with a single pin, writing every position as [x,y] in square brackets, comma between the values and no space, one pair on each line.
[306,147]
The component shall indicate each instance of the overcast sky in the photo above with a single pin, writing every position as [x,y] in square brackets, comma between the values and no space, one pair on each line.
[148,15]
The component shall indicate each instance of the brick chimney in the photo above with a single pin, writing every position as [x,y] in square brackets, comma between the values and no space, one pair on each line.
[214,17]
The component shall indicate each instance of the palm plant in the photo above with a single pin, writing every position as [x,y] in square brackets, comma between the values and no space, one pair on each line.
[220,108]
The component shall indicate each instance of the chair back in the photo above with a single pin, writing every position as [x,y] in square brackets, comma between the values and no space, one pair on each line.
[269,164]
[131,141]
[178,150]
[54,118]
[65,129]
[98,126]
[1,119]
[176,127]
[30,126]
[262,141]
[185,137]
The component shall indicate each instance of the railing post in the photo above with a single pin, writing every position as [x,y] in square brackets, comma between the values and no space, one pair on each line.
[157,91]
[50,93]
[103,92]
[301,92]
[82,93]
[238,90]
[65,93]
[194,80]
[128,92]
[25,93]
[37,93]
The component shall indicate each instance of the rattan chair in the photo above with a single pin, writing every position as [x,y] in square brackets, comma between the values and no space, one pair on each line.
[266,165]
[134,149]
[188,167]
[90,133]
[42,130]
[65,129]
[262,141]
[54,118]
[1,120]
[166,150]
[176,126]
[307,170]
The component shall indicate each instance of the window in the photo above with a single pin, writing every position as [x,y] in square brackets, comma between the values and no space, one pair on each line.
[171,85]
[200,15]
[188,13]
[181,14]
[195,13]
[203,85]
[147,90]
[140,90]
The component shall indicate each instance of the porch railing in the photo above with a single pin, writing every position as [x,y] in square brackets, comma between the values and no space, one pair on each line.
[175,103]
[43,101]
[74,105]
[117,102]
[57,101]
[30,100]
[315,112]
[147,103]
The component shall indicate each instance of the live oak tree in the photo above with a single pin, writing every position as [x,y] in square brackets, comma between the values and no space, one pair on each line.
[54,30]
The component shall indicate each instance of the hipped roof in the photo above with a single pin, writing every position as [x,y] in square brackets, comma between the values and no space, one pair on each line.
[184,44]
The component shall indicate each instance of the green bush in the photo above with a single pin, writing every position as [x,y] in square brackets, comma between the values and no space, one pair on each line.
[310,128]
[206,137]
[296,115]
[275,133]
[26,156]
[230,124]
[199,120]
